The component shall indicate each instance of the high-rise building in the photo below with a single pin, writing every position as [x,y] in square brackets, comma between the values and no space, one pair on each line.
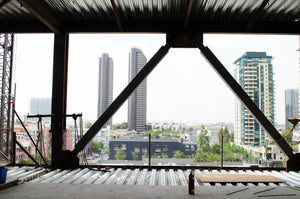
[105,85]
[291,105]
[254,73]
[40,106]
[137,102]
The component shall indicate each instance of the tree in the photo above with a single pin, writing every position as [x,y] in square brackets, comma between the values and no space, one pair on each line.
[178,154]
[120,155]
[88,125]
[123,125]
[288,138]
[168,136]
[203,140]
[231,137]
[134,155]
[226,136]
[96,146]
[164,155]
[216,148]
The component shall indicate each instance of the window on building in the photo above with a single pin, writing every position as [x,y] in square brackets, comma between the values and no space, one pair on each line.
[165,149]
[144,148]
[158,148]
[136,148]
[187,147]
[116,147]
[193,148]
[124,147]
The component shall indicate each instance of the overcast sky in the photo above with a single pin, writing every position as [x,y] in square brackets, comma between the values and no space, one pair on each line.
[183,87]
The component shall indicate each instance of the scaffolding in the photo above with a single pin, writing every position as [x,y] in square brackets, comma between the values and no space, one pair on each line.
[7,99]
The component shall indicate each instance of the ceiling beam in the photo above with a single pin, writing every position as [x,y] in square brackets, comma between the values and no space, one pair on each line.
[116,15]
[4,2]
[139,27]
[188,13]
[256,15]
[43,12]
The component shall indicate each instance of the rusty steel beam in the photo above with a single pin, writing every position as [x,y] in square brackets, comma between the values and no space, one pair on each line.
[116,15]
[43,12]
[188,13]
[256,15]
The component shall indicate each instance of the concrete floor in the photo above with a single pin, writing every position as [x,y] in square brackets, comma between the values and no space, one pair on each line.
[68,191]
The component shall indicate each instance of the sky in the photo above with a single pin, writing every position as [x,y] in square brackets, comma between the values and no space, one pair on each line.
[182,88]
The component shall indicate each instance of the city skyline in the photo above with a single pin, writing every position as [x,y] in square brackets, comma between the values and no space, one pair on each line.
[183,87]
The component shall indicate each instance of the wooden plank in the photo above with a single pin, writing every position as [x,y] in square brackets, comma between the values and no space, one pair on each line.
[235,178]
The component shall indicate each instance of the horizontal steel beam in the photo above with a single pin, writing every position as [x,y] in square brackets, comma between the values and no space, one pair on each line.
[117,103]
[245,99]
[155,27]
[184,167]
[42,11]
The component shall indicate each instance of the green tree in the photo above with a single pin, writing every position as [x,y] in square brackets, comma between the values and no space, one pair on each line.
[123,125]
[175,135]
[88,125]
[216,148]
[178,154]
[203,140]
[134,155]
[288,138]
[226,135]
[96,146]
[168,136]
[164,155]
[231,137]
[120,155]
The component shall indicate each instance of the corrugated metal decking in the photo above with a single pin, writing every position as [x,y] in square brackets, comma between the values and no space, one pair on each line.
[118,176]
[154,16]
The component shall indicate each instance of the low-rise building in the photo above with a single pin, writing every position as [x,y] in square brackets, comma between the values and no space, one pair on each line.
[136,149]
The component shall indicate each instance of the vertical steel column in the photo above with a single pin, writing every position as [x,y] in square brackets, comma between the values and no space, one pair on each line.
[243,96]
[149,153]
[59,96]
[117,103]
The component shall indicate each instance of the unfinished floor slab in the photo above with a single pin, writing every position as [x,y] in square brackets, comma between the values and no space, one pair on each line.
[68,191]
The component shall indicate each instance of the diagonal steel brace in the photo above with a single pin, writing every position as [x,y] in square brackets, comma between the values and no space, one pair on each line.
[243,96]
[117,103]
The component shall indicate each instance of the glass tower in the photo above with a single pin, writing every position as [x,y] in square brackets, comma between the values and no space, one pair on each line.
[137,102]
[291,105]
[105,85]
[254,73]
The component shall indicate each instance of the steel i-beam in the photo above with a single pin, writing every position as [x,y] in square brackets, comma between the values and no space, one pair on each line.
[243,96]
[59,97]
[117,103]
